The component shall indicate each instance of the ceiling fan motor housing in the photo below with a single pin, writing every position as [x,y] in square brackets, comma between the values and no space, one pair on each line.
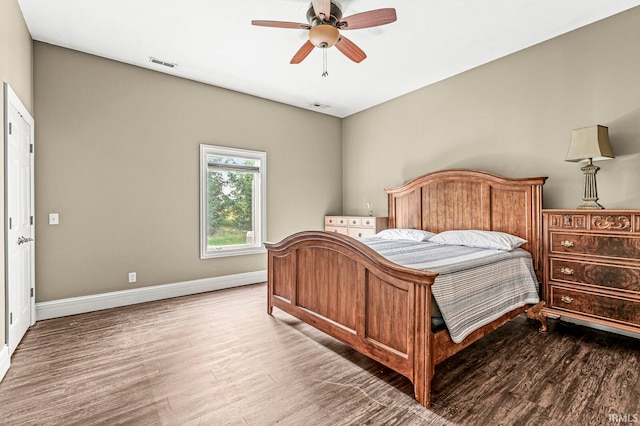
[336,15]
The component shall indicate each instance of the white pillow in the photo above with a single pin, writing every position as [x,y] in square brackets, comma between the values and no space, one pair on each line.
[404,234]
[482,239]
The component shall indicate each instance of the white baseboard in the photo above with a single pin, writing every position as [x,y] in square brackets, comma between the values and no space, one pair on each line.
[5,361]
[96,302]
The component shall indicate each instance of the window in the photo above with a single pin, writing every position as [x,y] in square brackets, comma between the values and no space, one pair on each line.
[232,201]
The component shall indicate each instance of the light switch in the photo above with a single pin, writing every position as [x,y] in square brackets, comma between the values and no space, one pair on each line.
[54,219]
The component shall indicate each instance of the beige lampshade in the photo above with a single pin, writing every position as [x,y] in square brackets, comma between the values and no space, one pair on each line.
[589,143]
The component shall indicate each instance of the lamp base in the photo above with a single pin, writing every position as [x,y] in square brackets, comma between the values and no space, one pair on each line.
[590,198]
[590,205]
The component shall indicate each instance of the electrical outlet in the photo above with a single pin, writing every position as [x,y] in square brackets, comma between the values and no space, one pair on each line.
[132,277]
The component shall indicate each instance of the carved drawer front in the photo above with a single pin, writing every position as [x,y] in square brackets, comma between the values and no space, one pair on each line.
[603,275]
[601,245]
[604,307]
[568,221]
[611,222]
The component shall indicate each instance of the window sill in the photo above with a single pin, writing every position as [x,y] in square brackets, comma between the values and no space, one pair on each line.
[227,252]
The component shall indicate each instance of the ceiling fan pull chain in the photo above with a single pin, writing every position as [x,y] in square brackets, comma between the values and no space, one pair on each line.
[324,62]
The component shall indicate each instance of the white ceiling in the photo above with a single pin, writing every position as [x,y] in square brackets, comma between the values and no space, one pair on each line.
[213,41]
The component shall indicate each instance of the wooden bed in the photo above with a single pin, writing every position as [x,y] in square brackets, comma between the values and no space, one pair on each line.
[381,309]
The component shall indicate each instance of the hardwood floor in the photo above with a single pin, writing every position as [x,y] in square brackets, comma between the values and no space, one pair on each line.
[219,359]
[571,375]
[209,359]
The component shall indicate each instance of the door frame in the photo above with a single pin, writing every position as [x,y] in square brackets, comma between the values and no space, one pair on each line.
[11,98]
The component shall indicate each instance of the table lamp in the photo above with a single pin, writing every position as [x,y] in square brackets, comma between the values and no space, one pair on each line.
[589,144]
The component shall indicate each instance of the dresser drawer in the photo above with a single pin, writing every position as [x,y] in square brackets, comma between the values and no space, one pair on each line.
[568,221]
[339,229]
[335,221]
[361,232]
[619,309]
[368,222]
[600,245]
[596,274]
[354,221]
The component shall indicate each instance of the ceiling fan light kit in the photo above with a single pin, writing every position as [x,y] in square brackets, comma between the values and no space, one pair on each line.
[324,35]
[326,22]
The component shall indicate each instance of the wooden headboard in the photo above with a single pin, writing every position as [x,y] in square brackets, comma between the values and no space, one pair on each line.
[471,199]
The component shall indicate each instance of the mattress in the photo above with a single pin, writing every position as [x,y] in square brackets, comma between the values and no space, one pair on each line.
[474,287]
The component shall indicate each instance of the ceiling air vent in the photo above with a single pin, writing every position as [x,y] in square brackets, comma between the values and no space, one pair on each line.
[319,105]
[163,63]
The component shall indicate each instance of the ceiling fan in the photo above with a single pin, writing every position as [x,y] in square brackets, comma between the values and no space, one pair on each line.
[325,23]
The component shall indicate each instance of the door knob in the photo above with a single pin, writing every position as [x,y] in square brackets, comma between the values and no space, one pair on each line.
[23,240]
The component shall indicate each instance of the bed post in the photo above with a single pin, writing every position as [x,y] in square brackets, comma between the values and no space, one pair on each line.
[423,368]
[270,283]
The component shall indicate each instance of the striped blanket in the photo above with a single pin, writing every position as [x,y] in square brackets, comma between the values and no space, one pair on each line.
[474,286]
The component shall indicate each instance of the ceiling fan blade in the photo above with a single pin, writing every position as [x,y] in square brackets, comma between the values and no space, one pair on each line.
[372,18]
[281,24]
[350,50]
[322,7]
[302,53]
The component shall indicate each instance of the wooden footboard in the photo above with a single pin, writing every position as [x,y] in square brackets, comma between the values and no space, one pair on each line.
[345,289]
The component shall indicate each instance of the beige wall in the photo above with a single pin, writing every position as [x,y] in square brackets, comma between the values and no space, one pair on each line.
[15,69]
[512,117]
[118,150]
[118,159]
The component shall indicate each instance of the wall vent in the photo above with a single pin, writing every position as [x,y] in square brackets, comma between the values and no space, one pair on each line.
[163,63]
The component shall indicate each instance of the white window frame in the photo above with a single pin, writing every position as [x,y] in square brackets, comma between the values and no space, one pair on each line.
[259,203]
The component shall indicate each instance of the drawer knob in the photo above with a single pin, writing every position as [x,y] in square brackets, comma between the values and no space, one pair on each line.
[353,221]
[359,234]
[567,271]
[566,299]
[566,243]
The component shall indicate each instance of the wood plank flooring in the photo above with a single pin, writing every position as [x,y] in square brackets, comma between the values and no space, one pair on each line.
[571,375]
[218,359]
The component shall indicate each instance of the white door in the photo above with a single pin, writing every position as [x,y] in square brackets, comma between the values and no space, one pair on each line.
[19,220]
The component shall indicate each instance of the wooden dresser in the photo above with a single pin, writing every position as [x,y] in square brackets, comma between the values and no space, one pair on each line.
[592,266]
[355,226]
